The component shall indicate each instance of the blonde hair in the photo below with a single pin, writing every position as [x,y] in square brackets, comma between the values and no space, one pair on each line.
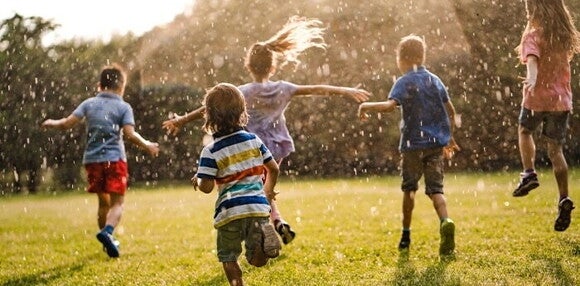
[556,23]
[411,50]
[296,36]
[225,109]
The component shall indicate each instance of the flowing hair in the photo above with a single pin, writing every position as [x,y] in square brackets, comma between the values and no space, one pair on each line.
[225,109]
[558,30]
[296,36]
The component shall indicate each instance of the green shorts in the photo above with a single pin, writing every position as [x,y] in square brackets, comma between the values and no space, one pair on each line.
[415,164]
[231,236]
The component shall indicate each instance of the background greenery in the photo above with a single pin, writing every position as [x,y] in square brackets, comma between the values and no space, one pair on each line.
[347,234]
[471,46]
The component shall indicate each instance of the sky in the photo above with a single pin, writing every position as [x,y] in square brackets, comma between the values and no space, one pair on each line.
[97,19]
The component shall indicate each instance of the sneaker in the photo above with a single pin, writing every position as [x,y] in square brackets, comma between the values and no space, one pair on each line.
[285,231]
[565,208]
[108,242]
[528,182]
[271,243]
[447,231]
[116,243]
[404,243]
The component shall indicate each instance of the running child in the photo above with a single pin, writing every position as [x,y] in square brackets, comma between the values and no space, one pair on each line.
[109,119]
[426,135]
[235,162]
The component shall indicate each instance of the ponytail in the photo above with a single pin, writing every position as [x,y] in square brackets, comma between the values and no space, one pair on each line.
[297,35]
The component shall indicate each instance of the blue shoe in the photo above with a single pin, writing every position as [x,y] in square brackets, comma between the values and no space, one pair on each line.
[528,182]
[447,231]
[108,242]
[565,208]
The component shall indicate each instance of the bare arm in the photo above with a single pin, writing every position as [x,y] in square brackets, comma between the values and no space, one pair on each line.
[452,147]
[359,95]
[273,171]
[63,123]
[382,106]
[173,125]
[204,185]
[132,136]
[532,73]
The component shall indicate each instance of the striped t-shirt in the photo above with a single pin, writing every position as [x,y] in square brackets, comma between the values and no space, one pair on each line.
[236,163]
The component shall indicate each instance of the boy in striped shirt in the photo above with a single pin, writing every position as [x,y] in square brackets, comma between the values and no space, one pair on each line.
[236,162]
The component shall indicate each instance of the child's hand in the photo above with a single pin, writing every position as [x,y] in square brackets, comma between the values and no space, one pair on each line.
[47,123]
[153,148]
[271,195]
[362,113]
[359,95]
[172,125]
[529,84]
[450,149]
[194,182]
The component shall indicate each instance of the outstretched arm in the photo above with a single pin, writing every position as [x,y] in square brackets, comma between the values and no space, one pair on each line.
[174,124]
[63,123]
[359,95]
[382,106]
[132,136]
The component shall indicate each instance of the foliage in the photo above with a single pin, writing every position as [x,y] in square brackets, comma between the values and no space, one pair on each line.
[347,234]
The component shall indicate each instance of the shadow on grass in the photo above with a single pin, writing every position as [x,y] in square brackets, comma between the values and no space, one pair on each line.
[46,277]
[407,273]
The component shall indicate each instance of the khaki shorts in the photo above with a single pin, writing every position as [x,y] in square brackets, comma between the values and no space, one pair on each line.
[415,164]
[231,236]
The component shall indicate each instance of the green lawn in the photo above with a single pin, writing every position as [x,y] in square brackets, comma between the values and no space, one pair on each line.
[347,234]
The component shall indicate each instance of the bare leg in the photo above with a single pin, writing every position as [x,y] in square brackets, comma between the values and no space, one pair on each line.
[408,206]
[104,207]
[440,205]
[233,273]
[560,167]
[527,148]
[116,211]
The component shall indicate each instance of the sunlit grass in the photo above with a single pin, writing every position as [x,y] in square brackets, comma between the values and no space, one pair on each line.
[348,231]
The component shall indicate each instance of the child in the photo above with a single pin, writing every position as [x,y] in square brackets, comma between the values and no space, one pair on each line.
[547,46]
[108,119]
[267,100]
[426,130]
[235,162]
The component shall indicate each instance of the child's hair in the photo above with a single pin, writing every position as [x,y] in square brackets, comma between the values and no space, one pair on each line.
[553,17]
[112,77]
[225,109]
[297,35]
[411,50]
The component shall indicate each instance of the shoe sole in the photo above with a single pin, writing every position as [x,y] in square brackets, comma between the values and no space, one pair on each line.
[564,216]
[271,244]
[108,244]
[447,238]
[525,190]
[286,233]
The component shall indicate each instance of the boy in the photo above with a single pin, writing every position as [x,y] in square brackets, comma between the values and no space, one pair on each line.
[426,130]
[108,120]
[235,162]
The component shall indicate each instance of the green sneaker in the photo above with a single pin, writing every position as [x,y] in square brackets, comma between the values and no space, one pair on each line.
[447,231]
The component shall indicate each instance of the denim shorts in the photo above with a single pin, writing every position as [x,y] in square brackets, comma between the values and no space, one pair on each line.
[554,123]
[415,164]
[231,236]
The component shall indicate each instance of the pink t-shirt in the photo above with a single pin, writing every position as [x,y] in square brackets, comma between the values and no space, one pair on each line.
[552,91]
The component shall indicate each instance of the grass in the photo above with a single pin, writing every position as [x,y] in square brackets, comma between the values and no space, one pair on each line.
[347,233]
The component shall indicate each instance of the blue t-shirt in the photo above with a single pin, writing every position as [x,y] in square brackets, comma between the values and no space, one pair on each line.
[105,115]
[424,120]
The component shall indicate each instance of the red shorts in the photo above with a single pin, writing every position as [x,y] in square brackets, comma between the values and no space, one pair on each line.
[107,177]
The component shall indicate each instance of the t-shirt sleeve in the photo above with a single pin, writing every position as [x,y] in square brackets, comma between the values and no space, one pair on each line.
[288,88]
[530,46]
[266,154]
[80,111]
[207,168]
[128,118]
[397,91]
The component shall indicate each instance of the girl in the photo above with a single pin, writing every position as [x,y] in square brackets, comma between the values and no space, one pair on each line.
[547,46]
[267,100]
